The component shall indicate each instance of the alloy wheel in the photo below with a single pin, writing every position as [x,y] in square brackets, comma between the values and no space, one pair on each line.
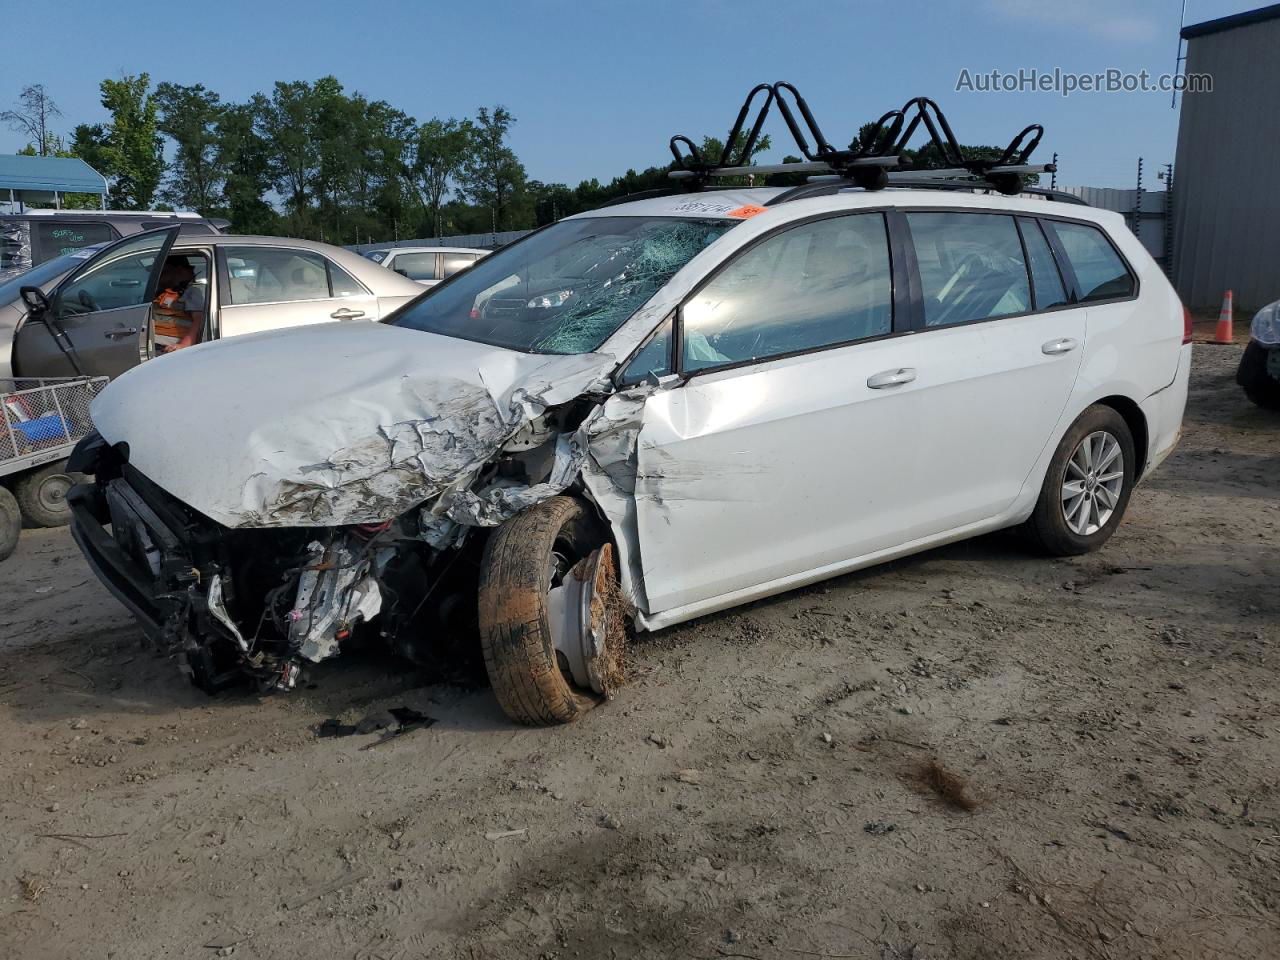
[1092,483]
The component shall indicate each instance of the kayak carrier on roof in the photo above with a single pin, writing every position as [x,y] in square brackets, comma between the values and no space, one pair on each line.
[872,161]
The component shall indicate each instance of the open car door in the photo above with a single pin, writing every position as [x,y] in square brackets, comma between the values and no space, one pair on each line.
[99,318]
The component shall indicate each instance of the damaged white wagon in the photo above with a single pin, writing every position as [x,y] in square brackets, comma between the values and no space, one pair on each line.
[650,412]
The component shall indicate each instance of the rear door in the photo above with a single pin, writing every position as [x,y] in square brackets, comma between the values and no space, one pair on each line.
[269,287]
[98,322]
[998,347]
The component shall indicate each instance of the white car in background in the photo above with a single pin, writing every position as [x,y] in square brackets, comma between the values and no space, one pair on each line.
[426,265]
[690,401]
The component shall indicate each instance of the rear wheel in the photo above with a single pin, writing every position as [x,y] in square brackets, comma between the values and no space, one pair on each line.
[1087,486]
[10,523]
[42,494]
[540,570]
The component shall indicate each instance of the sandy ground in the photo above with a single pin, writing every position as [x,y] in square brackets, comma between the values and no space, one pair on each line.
[755,792]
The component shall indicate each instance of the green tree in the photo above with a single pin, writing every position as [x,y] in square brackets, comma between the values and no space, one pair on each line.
[190,115]
[440,149]
[131,151]
[492,176]
[32,115]
[245,156]
[286,122]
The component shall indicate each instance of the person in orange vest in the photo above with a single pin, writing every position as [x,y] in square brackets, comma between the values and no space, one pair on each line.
[179,307]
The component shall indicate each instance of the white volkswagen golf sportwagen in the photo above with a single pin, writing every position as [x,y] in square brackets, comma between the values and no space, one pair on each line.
[659,409]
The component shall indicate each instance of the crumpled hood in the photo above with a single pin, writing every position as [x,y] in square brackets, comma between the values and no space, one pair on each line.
[329,424]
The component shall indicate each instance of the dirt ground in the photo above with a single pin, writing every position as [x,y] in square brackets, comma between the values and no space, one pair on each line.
[758,790]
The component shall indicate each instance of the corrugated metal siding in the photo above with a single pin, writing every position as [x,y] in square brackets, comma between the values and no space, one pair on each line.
[1226,202]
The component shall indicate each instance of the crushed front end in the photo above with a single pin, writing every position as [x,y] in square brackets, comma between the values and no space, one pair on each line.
[261,603]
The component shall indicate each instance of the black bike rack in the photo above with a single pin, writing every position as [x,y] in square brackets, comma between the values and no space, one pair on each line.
[872,162]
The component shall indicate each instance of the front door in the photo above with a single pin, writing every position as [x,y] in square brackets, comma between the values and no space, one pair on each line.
[98,322]
[789,447]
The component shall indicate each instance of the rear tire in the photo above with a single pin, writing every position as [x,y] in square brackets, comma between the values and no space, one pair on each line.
[42,494]
[1082,501]
[520,561]
[10,523]
[1252,375]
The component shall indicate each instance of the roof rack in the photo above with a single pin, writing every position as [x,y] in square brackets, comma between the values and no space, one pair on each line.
[873,161]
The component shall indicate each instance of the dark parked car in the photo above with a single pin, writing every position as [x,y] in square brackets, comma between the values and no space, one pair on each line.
[1259,372]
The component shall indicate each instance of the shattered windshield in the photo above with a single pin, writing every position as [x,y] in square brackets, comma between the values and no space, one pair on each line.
[565,289]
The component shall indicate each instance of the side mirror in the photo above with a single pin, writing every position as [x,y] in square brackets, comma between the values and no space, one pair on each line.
[37,303]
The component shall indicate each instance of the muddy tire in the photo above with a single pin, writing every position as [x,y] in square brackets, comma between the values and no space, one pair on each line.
[42,494]
[1087,486]
[10,523]
[520,562]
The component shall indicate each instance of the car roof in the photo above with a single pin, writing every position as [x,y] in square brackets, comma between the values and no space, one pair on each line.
[729,203]
[105,214]
[428,250]
[382,281]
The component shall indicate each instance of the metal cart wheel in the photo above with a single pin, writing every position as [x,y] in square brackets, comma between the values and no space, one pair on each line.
[42,494]
[10,523]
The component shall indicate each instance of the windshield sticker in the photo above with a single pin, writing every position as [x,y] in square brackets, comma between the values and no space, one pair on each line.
[750,210]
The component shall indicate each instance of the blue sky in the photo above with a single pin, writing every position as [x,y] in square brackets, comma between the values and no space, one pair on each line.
[599,87]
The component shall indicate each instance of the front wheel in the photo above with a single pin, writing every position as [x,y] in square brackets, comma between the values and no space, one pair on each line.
[545,580]
[1087,486]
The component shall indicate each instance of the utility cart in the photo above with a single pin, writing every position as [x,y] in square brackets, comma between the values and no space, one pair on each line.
[42,420]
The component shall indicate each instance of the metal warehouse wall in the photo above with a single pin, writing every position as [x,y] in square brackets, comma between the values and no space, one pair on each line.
[1226,202]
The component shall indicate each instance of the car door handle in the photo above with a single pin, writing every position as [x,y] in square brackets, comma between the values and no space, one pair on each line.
[346,313]
[118,332]
[891,378]
[1055,347]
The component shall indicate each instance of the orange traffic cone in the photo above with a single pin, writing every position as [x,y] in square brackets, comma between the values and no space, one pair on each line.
[1225,332]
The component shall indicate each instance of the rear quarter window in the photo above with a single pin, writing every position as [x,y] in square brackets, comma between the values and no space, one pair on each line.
[1100,272]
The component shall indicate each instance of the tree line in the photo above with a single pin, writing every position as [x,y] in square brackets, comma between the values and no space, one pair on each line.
[312,160]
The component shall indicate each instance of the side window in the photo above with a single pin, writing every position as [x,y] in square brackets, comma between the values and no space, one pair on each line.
[971,266]
[1046,281]
[654,357]
[58,238]
[276,275]
[415,266]
[453,262]
[342,283]
[119,277]
[1100,272]
[816,285]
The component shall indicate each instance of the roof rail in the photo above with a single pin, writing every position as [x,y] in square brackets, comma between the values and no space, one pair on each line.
[873,161]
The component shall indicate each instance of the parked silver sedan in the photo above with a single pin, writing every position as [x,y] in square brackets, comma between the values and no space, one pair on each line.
[97,313]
